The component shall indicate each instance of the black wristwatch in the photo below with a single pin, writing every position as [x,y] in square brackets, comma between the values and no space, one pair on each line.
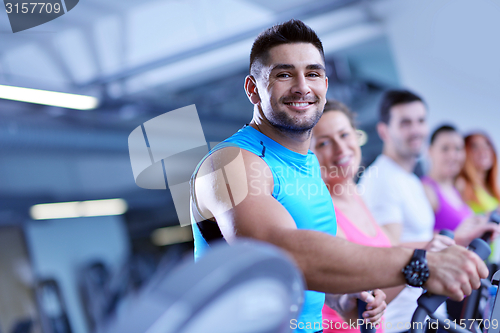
[416,272]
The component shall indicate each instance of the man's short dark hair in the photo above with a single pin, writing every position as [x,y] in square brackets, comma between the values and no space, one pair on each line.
[442,129]
[292,31]
[395,97]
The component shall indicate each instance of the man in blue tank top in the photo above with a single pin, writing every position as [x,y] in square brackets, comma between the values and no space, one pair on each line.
[264,183]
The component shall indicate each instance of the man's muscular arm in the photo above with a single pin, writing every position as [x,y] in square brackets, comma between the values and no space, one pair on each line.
[235,186]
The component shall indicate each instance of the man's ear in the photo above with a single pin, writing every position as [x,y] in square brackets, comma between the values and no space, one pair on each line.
[251,89]
[382,130]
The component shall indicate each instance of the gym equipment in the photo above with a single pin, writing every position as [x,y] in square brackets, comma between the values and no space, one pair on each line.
[427,303]
[494,218]
[365,328]
[447,232]
[248,287]
[495,311]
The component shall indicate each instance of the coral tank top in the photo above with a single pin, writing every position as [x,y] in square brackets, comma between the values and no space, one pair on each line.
[332,321]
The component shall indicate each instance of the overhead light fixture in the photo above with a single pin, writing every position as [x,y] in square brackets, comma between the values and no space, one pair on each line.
[64,210]
[46,97]
[171,235]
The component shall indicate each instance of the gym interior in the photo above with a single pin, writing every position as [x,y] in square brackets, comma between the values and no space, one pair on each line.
[82,241]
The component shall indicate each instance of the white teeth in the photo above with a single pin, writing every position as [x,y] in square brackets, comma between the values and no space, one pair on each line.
[299,104]
[344,160]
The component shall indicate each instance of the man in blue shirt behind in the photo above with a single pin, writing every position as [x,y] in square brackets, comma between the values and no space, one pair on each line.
[264,183]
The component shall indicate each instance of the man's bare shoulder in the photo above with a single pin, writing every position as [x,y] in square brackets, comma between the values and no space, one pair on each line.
[233,158]
[229,176]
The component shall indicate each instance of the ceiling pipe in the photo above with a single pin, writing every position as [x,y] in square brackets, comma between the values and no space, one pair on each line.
[301,12]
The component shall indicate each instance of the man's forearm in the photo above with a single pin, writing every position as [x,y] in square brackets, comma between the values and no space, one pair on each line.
[414,245]
[334,265]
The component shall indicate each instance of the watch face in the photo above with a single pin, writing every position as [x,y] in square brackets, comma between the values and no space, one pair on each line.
[416,273]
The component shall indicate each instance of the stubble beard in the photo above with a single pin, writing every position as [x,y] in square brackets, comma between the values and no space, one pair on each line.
[285,123]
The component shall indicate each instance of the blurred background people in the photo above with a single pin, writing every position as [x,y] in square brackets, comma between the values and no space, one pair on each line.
[394,194]
[447,155]
[335,143]
[478,180]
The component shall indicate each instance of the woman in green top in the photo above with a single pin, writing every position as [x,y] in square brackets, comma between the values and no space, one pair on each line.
[477,182]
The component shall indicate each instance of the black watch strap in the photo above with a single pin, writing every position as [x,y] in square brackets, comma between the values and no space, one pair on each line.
[416,272]
[419,254]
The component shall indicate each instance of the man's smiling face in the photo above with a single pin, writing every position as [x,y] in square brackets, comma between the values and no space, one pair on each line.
[292,87]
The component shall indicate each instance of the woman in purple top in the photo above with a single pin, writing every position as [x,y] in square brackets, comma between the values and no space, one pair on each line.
[447,158]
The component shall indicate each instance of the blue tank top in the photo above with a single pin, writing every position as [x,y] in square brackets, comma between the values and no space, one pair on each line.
[299,188]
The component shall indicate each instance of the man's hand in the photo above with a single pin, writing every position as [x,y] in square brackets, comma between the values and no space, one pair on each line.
[346,305]
[454,272]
